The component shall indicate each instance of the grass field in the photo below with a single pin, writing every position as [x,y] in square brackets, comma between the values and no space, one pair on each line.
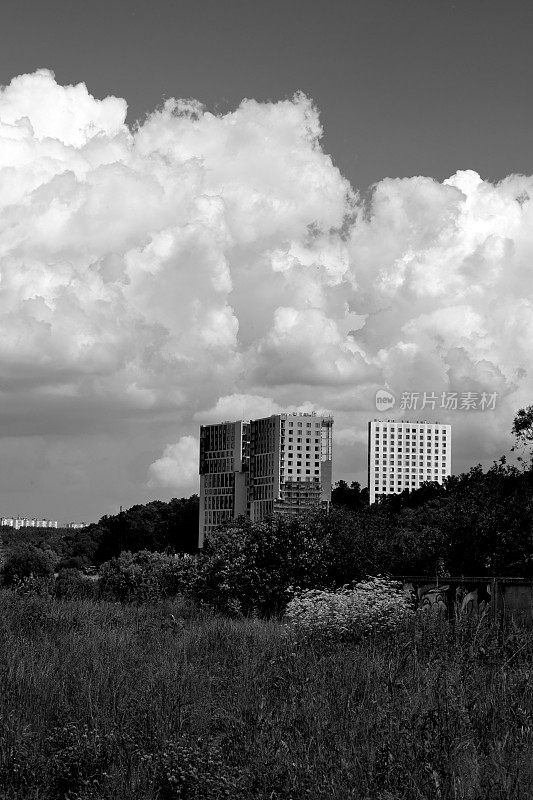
[100,700]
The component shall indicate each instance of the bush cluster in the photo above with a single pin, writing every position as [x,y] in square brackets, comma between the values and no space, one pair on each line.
[145,576]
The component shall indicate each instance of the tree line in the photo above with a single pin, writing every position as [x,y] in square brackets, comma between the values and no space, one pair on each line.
[477,523]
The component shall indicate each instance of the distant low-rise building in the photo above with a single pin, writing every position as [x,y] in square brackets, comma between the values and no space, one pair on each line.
[27,522]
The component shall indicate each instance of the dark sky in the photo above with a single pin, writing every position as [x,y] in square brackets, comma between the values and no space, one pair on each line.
[404,87]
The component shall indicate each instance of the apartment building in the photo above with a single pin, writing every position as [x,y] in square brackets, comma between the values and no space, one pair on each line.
[277,464]
[224,459]
[290,463]
[403,455]
[25,522]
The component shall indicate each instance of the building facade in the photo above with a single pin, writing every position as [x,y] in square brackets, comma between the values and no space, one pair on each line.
[403,455]
[284,466]
[224,461]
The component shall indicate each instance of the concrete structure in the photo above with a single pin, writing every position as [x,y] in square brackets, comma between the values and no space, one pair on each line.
[453,597]
[402,455]
[290,463]
[224,460]
[278,464]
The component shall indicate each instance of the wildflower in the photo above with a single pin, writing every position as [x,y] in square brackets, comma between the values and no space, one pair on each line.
[374,605]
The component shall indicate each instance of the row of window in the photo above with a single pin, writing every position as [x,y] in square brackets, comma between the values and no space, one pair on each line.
[219,501]
[412,479]
[216,517]
[299,447]
[413,460]
[412,445]
[219,479]
[290,471]
[409,436]
[406,429]
[292,424]
[408,471]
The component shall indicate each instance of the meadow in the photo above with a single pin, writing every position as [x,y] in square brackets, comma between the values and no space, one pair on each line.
[166,700]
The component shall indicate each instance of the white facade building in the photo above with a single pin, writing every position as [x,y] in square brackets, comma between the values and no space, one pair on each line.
[25,522]
[403,455]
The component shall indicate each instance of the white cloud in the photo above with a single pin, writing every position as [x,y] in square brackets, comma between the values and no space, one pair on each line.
[205,266]
[178,466]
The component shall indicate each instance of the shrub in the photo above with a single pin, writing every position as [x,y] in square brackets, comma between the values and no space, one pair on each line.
[73,585]
[146,576]
[375,605]
[25,561]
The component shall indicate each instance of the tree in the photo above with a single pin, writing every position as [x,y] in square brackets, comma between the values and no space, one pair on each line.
[146,576]
[349,496]
[155,526]
[523,425]
[26,560]
[249,568]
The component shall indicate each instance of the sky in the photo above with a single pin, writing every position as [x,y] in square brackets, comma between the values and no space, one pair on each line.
[225,210]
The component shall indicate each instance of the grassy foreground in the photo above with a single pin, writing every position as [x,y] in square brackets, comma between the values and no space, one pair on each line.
[99,700]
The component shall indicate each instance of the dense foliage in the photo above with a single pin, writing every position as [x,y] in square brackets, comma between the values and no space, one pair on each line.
[171,526]
[477,523]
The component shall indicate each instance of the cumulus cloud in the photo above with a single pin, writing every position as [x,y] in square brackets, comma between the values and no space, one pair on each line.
[178,466]
[206,266]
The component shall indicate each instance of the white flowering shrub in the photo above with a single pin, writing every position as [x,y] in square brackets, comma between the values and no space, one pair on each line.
[375,605]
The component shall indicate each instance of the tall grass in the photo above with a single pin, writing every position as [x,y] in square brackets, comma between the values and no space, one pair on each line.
[99,700]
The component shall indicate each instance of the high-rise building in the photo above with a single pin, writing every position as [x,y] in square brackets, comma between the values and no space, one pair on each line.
[402,455]
[224,459]
[278,464]
[290,463]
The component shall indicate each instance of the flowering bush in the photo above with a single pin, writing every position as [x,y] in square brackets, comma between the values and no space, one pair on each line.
[374,605]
